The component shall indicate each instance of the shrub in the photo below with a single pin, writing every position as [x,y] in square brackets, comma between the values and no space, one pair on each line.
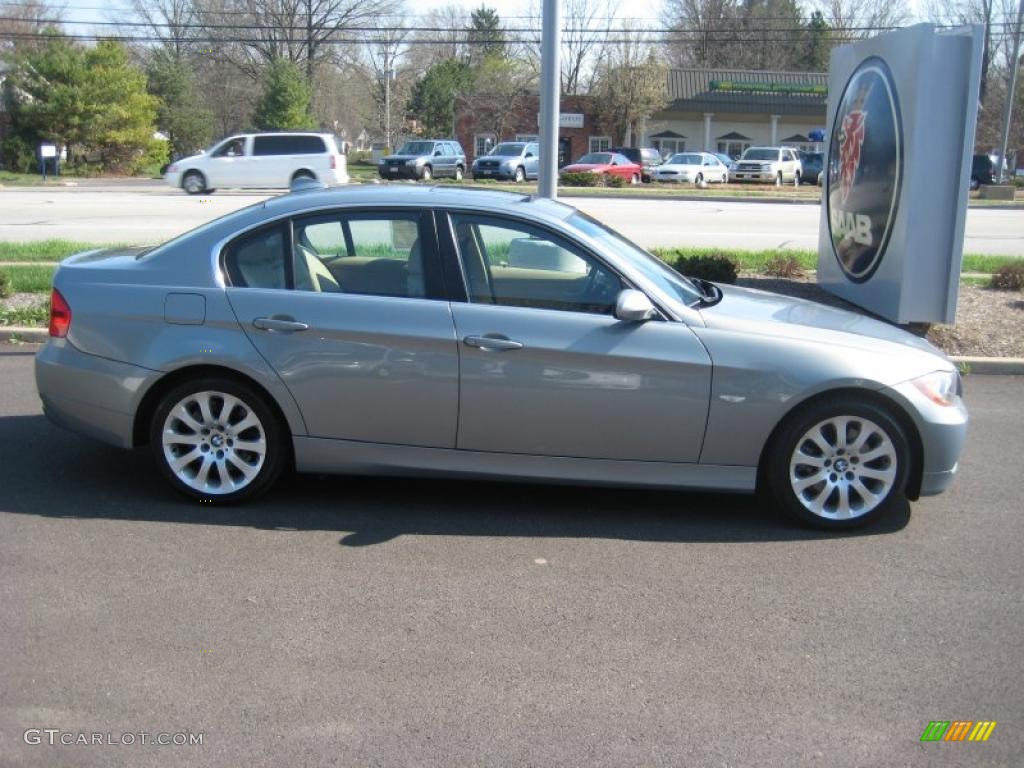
[614,181]
[1009,277]
[585,179]
[5,285]
[783,266]
[718,268]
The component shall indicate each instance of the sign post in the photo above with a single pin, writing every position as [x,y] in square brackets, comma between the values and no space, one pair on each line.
[48,153]
[901,118]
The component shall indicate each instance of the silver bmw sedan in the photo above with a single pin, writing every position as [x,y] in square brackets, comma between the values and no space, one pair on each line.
[467,333]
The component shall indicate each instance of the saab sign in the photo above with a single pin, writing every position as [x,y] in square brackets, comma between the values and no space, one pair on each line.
[900,139]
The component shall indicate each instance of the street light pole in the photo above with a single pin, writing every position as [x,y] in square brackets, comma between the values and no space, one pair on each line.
[387,99]
[1008,109]
[550,79]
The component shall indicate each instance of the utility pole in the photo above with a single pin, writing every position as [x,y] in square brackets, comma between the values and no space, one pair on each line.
[550,86]
[387,98]
[1012,85]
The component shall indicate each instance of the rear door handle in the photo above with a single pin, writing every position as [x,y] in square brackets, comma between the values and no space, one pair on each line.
[492,342]
[279,324]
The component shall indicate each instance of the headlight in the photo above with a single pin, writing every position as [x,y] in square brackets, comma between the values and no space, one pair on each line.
[596,170]
[172,168]
[941,387]
[410,162]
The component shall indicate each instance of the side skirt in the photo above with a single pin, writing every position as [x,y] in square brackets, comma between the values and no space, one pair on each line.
[314,454]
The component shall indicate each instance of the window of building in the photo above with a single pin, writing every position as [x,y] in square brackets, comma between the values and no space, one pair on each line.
[668,147]
[733,148]
[483,143]
[518,265]
[599,144]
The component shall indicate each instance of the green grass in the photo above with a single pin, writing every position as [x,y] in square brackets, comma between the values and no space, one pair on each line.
[43,250]
[30,278]
[31,316]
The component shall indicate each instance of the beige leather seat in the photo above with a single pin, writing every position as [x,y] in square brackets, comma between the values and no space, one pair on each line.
[311,274]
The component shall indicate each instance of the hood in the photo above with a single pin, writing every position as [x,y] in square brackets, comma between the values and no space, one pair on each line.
[584,167]
[761,313]
[404,157]
[677,167]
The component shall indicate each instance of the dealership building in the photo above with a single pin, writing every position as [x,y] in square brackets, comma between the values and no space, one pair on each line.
[711,110]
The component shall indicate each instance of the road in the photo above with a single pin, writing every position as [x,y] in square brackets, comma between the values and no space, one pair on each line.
[143,212]
[347,621]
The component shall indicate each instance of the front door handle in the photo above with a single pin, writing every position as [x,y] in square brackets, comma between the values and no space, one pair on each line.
[492,342]
[279,324]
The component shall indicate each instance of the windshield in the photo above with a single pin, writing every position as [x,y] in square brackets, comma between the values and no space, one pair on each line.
[653,268]
[685,160]
[416,148]
[595,158]
[761,154]
[508,150]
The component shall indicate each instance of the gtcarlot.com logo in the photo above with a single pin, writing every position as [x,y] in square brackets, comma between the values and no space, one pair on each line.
[55,737]
[958,730]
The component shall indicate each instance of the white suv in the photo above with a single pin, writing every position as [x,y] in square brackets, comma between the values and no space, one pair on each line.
[778,165]
[261,160]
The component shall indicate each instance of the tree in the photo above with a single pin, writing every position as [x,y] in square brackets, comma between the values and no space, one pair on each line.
[585,24]
[817,47]
[181,114]
[433,97]
[856,19]
[631,86]
[284,105]
[487,35]
[21,23]
[502,89]
[700,27]
[85,97]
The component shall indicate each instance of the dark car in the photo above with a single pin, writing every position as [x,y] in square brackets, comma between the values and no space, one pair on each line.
[982,171]
[813,163]
[425,159]
[646,157]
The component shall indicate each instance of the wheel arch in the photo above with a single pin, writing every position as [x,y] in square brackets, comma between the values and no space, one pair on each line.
[150,400]
[304,172]
[891,406]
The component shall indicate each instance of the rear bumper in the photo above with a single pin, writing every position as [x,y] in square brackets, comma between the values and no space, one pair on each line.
[88,394]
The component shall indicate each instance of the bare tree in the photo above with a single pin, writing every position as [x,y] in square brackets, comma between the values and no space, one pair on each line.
[390,78]
[586,24]
[302,31]
[855,19]
[631,85]
[442,36]
[703,26]
[173,23]
[19,22]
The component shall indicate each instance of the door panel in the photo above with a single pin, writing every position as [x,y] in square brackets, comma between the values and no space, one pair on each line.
[370,368]
[583,385]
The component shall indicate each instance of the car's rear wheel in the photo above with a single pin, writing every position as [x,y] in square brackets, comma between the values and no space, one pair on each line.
[520,175]
[458,173]
[796,179]
[302,175]
[778,179]
[634,179]
[839,463]
[699,180]
[194,183]
[428,173]
[217,440]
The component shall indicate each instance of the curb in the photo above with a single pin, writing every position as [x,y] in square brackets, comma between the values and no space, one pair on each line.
[1006,366]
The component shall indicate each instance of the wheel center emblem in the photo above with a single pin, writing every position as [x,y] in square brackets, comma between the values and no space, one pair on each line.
[217,441]
[841,465]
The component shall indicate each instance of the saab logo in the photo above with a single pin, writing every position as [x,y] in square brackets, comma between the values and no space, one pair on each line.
[958,730]
[865,169]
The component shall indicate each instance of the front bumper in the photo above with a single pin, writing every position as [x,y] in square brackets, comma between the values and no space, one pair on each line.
[400,171]
[943,432]
[678,177]
[493,173]
[173,178]
[759,177]
[88,394]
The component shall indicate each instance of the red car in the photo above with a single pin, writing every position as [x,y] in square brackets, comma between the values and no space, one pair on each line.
[607,163]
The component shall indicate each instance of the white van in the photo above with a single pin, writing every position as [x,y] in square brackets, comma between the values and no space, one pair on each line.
[261,161]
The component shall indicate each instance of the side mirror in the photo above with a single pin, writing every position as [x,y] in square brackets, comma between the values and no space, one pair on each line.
[437,153]
[634,307]
[529,154]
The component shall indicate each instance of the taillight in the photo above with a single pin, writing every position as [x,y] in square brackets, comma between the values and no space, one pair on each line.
[60,315]
[334,162]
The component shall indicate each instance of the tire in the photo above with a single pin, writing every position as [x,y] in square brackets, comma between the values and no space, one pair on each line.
[811,446]
[975,183]
[778,179]
[796,179]
[725,178]
[302,175]
[428,173]
[520,176]
[699,180]
[177,431]
[458,173]
[634,179]
[194,183]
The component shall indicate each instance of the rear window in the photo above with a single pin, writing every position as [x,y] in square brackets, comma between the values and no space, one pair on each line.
[257,259]
[288,145]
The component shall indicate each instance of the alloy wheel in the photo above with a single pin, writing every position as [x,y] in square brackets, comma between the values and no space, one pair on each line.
[214,442]
[843,467]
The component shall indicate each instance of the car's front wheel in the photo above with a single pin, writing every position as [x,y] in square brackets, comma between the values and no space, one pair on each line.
[839,463]
[458,173]
[427,173]
[217,440]
[194,183]
[520,176]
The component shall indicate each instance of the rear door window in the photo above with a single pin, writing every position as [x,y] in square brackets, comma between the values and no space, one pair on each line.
[257,259]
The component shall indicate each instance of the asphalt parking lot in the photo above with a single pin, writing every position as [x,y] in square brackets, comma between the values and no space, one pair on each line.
[354,621]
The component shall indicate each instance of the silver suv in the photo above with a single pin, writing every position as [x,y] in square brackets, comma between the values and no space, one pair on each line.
[425,159]
[767,165]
